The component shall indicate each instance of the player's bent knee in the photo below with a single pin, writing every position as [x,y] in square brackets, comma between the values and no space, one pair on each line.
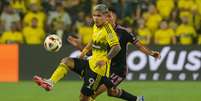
[84,98]
[112,92]
[68,61]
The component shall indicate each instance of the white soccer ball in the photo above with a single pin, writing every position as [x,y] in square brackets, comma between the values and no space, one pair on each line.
[53,43]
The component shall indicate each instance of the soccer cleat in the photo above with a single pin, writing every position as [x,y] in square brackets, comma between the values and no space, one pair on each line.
[46,84]
[140,98]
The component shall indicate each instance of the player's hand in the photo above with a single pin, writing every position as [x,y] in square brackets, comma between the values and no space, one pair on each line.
[100,63]
[74,41]
[82,55]
[156,54]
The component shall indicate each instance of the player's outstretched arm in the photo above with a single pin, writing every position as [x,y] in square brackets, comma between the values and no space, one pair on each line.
[147,51]
[86,49]
[75,42]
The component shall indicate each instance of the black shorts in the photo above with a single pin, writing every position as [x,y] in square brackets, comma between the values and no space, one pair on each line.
[80,65]
[117,75]
[91,79]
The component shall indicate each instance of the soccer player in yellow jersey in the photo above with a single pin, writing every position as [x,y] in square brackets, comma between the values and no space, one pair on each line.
[104,46]
[118,63]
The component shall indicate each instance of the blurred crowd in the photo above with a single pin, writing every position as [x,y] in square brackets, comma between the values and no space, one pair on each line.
[161,22]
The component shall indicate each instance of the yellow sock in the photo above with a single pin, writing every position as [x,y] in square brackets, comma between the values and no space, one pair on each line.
[91,99]
[59,73]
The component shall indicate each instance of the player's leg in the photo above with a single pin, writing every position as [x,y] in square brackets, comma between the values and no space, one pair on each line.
[110,83]
[99,91]
[92,81]
[116,79]
[113,91]
[62,69]
[120,93]
[84,98]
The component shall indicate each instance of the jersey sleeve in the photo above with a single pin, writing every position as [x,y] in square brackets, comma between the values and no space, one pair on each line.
[132,37]
[111,36]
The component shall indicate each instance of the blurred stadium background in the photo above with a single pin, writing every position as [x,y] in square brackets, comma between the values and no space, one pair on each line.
[172,27]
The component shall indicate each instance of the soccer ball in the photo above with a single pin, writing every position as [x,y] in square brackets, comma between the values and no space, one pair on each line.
[52,43]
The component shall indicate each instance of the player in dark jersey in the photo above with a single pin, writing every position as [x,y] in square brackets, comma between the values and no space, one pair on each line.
[118,65]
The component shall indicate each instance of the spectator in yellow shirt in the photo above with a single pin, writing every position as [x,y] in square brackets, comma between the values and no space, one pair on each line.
[37,2]
[198,3]
[197,16]
[187,8]
[165,7]
[33,34]
[188,14]
[12,36]
[143,32]
[165,35]
[153,18]
[199,39]
[186,4]
[185,32]
[85,31]
[174,19]
[34,12]
[18,5]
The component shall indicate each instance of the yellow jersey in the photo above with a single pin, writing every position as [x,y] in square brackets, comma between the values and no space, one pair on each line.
[165,7]
[153,22]
[199,39]
[187,14]
[85,33]
[198,3]
[33,35]
[144,35]
[186,4]
[19,5]
[37,2]
[103,39]
[12,37]
[30,15]
[164,37]
[185,32]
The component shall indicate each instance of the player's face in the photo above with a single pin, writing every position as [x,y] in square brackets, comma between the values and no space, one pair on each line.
[99,18]
[112,17]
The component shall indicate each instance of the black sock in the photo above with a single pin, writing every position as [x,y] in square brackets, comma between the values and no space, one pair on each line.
[127,96]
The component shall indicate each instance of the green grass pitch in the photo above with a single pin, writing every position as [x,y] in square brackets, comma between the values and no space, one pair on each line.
[69,91]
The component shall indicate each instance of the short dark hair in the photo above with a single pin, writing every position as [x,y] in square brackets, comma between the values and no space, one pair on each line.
[111,9]
[102,8]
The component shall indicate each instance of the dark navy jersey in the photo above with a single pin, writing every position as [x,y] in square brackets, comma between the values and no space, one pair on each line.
[118,64]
